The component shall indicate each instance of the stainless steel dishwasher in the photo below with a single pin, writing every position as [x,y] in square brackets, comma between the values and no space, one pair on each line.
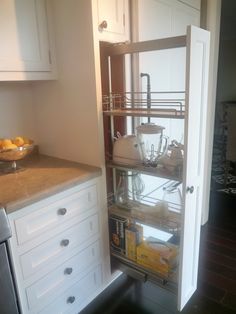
[8,299]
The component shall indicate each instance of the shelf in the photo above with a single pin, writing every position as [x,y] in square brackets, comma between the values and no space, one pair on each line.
[169,104]
[152,171]
[148,45]
[144,214]
[155,113]
[144,274]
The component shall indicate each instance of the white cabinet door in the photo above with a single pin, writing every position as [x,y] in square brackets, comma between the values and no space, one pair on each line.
[197,59]
[113,20]
[193,3]
[24,37]
[160,19]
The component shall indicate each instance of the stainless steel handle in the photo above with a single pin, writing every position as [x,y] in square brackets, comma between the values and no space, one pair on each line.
[62,211]
[65,242]
[68,271]
[103,25]
[71,299]
[190,189]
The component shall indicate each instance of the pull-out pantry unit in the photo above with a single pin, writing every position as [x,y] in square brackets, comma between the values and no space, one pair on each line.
[155,180]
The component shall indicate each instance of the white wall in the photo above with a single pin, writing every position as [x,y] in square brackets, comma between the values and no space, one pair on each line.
[66,109]
[16,110]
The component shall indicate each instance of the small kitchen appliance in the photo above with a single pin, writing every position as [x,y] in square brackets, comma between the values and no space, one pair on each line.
[126,150]
[152,141]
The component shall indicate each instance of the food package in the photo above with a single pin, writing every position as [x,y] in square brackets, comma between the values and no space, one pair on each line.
[117,227]
[133,237]
[157,255]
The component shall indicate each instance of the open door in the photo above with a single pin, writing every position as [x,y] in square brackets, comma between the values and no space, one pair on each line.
[197,64]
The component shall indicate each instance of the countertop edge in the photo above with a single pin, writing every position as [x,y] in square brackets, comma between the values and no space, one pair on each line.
[14,206]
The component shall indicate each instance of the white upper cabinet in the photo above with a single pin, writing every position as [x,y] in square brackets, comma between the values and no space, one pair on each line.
[193,3]
[24,35]
[113,20]
[163,18]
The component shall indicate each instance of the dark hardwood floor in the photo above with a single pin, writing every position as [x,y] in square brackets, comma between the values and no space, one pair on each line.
[216,293]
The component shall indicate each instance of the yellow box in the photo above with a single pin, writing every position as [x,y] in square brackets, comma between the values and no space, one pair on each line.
[157,255]
[133,237]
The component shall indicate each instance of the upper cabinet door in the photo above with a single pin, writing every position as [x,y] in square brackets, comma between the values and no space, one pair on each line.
[193,3]
[113,20]
[24,37]
[197,65]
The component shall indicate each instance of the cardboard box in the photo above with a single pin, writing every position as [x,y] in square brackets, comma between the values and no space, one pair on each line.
[117,227]
[157,255]
[133,237]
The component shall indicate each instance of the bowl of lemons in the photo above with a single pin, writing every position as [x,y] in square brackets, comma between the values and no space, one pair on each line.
[15,149]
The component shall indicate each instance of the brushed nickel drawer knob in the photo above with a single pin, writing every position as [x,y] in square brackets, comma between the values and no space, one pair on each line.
[71,300]
[103,25]
[65,242]
[68,271]
[62,211]
[190,189]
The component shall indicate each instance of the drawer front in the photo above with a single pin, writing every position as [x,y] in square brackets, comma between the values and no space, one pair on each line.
[51,250]
[59,280]
[74,296]
[48,217]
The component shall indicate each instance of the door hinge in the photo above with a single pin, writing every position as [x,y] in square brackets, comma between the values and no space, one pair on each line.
[124,20]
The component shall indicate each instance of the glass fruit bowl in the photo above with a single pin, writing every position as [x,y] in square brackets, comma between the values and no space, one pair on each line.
[11,155]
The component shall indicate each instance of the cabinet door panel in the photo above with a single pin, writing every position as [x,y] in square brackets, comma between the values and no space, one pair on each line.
[112,11]
[193,3]
[24,36]
[195,140]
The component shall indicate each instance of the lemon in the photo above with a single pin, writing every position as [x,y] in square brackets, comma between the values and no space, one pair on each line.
[18,141]
[6,142]
[10,146]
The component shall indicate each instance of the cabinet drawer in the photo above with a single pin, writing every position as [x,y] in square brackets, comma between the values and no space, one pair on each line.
[76,295]
[51,250]
[48,217]
[56,282]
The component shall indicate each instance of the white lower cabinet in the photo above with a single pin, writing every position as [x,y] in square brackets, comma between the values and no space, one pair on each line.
[56,251]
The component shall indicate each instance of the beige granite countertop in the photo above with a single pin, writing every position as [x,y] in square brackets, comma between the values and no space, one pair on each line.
[42,176]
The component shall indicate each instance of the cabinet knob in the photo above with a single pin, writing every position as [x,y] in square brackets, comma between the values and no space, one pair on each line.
[62,211]
[71,299]
[65,242]
[103,25]
[190,189]
[68,271]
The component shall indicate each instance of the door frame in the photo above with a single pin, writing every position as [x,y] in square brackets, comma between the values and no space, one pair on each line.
[210,20]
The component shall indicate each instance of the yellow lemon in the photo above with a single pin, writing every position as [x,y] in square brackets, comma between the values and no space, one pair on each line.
[27,140]
[6,142]
[18,141]
[10,146]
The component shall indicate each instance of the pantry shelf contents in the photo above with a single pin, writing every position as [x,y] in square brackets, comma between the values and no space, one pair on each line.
[154,160]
